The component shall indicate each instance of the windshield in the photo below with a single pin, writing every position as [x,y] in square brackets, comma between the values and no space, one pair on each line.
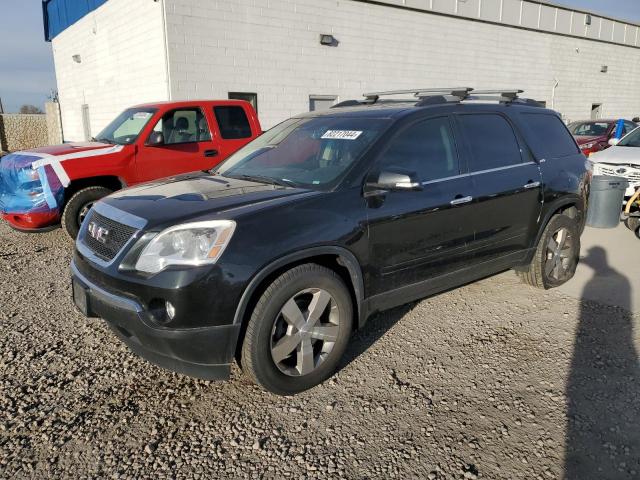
[309,152]
[589,129]
[631,140]
[126,127]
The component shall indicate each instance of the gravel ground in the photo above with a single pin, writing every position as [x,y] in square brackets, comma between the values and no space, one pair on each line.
[493,380]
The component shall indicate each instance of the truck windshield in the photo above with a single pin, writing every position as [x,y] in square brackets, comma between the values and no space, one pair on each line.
[309,152]
[126,127]
[631,140]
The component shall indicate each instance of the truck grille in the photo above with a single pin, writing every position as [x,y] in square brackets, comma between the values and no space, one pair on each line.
[630,173]
[106,237]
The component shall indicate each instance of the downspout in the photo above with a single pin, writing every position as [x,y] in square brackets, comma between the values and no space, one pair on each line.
[166,47]
[553,93]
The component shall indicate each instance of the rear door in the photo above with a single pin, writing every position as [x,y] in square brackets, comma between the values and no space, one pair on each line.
[417,235]
[233,127]
[187,145]
[506,185]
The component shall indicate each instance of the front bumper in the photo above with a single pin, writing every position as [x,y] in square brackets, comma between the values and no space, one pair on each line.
[205,352]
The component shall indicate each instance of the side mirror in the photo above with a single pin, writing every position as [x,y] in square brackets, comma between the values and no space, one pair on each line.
[613,141]
[155,139]
[395,180]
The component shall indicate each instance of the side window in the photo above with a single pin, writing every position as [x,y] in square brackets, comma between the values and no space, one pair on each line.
[426,148]
[233,122]
[186,125]
[549,135]
[628,127]
[492,141]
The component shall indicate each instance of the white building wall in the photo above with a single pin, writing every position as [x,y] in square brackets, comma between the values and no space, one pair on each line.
[271,47]
[123,63]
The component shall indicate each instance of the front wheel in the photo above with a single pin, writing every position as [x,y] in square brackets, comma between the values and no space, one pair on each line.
[78,206]
[556,256]
[298,331]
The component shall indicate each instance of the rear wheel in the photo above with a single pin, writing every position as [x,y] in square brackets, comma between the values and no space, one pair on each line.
[78,207]
[556,256]
[298,331]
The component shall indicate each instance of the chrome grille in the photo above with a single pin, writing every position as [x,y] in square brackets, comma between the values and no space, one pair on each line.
[117,235]
[631,173]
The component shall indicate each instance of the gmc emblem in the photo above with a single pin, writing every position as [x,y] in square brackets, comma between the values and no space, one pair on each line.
[98,232]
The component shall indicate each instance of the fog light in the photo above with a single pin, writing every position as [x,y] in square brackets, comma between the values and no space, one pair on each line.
[171,310]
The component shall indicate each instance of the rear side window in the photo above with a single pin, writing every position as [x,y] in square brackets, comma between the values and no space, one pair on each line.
[233,122]
[551,137]
[492,141]
[426,148]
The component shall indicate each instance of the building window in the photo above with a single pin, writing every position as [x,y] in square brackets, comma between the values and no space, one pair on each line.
[252,98]
[233,122]
[321,102]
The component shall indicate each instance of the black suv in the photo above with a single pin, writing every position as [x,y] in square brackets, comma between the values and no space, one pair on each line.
[275,257]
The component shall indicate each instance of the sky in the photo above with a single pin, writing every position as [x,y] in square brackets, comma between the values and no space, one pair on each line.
[26,63]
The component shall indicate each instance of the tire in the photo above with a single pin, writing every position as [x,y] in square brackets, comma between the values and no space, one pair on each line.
[632,223]
[293,292]
[541,272]
[76,207]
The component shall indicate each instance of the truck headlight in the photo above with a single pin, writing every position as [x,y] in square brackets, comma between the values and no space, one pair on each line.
[189,244]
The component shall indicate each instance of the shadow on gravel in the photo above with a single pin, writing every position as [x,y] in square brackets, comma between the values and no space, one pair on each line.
[374,329]
[603,388]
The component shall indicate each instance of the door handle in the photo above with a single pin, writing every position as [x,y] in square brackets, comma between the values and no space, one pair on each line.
[210,153]
[532,185]
[461,200]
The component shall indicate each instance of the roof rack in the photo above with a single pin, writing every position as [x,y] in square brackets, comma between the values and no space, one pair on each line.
[459,92]
[436,96]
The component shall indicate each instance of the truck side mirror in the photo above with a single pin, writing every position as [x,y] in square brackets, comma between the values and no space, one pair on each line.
[155,139]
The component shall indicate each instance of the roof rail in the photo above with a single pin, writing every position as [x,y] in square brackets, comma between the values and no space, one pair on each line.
[460,92]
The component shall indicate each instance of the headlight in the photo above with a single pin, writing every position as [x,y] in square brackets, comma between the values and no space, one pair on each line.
[190,244]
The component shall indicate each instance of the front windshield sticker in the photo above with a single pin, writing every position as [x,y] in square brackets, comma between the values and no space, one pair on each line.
[142,115]
[342,134]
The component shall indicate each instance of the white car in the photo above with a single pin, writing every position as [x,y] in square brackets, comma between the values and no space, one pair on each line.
[622,159]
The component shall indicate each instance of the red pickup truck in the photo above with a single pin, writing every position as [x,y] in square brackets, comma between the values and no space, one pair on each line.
[43,187]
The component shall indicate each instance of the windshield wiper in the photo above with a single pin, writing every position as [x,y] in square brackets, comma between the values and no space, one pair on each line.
[263,179]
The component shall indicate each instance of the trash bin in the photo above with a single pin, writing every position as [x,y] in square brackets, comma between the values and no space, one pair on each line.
[605,201]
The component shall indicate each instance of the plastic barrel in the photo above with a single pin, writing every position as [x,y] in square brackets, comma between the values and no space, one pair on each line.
[605,201]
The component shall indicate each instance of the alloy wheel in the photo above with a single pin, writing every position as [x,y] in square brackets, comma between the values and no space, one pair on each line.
[305,332]
[559,255]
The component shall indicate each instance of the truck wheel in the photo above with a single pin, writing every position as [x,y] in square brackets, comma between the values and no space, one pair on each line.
[78,206]
[298,330]
[556,256]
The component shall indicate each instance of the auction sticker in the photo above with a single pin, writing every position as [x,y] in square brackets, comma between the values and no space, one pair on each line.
[342,134]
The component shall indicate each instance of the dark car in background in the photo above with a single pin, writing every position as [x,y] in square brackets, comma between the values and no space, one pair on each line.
[277,255]
[594,135]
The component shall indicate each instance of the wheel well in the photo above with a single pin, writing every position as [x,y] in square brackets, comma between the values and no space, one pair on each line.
[330,261]
[110,182]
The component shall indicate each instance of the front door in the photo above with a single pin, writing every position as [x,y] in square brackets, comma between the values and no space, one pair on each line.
[507,186]
[417,235]
[187,146]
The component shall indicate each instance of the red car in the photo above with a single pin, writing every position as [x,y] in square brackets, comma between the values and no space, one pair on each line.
[594,135]
[44,187]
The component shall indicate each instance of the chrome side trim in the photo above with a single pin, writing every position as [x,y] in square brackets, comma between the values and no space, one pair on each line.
[105,296]
[445,179]
[497,169]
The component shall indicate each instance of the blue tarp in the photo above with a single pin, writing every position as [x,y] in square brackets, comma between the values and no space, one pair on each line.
[60,14]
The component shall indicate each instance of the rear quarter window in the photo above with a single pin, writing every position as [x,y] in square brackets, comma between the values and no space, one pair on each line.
[233,122]
[548,136]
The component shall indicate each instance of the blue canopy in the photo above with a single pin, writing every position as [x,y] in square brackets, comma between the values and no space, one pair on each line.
[60,14]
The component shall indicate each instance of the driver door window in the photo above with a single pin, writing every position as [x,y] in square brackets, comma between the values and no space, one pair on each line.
[187,125]
[426,148]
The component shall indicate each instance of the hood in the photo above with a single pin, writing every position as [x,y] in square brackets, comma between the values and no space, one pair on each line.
[582,139]
[618,156]
[187,197]
[67,148]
